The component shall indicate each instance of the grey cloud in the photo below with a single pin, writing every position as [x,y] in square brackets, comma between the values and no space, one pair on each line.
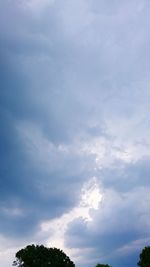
[120,220]
[73,71]
[124,177]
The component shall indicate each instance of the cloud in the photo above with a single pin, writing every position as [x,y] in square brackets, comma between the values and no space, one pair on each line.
[74,104]
[118,224]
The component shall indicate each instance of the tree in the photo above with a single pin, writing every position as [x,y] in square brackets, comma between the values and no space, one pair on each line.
[145,257]
[102,265]
[40,256]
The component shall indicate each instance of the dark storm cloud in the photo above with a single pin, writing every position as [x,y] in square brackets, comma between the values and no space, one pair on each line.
[25,186]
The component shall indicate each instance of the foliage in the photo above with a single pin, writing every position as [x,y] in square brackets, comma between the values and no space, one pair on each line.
[145,257]
[102,265]
[37,256]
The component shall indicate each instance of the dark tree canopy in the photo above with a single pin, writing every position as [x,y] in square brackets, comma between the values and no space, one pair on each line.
[102,265]
[145,257]
[40,256]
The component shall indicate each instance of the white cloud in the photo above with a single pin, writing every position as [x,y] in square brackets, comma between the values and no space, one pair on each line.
[90,200]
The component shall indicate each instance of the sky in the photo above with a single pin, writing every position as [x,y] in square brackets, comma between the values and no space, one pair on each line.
[75,128]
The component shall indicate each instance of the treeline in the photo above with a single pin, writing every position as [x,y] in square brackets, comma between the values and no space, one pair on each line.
[40,256]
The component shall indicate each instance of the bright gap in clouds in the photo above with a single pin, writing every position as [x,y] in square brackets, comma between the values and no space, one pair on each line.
[91,197]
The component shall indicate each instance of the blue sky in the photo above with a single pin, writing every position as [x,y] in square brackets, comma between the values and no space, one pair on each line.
[75,127]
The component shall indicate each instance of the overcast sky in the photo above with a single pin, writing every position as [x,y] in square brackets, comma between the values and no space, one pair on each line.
[75,128]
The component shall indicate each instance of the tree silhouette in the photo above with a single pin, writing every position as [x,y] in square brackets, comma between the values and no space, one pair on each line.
[145,257]
[102,265]
[40,256]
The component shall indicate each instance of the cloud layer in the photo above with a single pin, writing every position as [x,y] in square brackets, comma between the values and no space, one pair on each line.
[74,104]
